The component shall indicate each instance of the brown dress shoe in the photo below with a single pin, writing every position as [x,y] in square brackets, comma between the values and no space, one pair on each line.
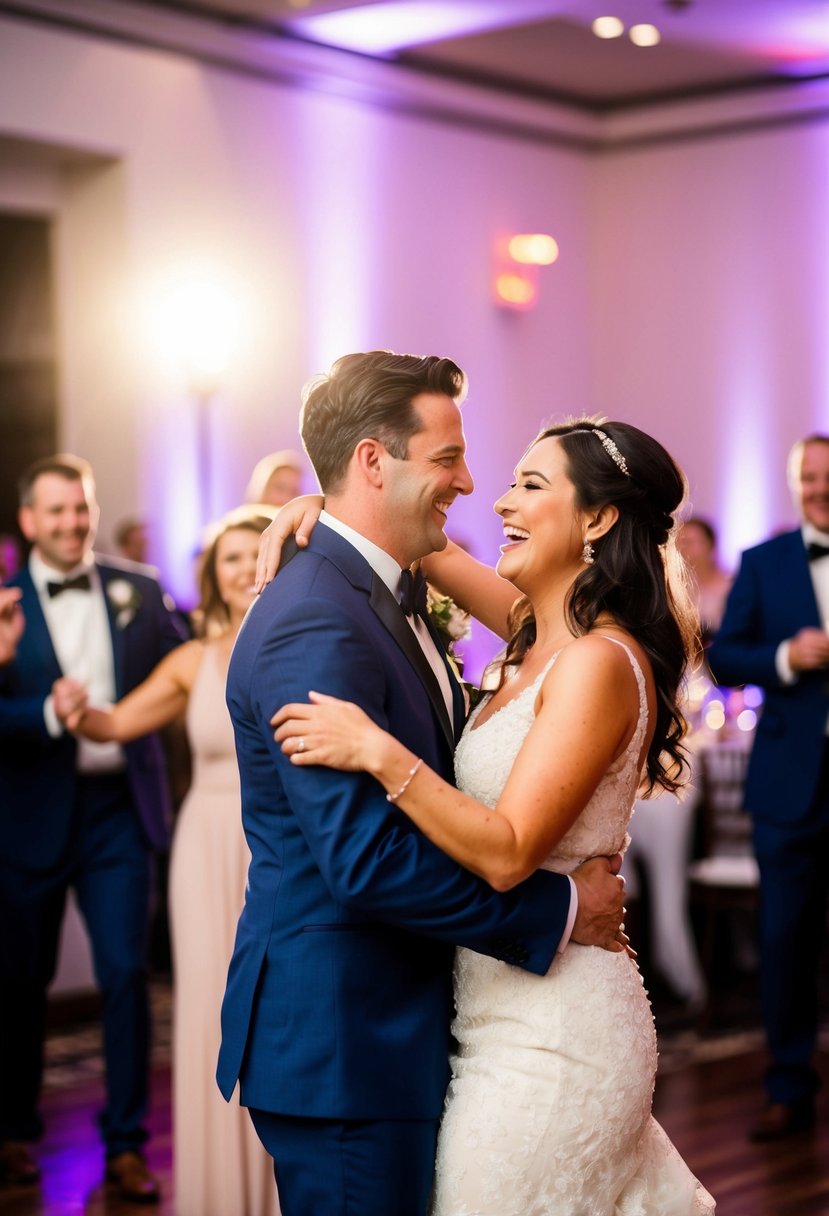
[781,1119]
[134,1181]
[17,1165]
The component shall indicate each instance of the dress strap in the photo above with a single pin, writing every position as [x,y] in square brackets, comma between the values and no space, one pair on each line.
[640,681]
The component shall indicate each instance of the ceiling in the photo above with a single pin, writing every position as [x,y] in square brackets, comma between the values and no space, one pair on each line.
[546,49]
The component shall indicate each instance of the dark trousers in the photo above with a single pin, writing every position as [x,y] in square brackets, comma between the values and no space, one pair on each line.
[794,886]
[349,1168]
[109,866]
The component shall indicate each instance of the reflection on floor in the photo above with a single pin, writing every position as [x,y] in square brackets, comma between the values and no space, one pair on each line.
[708,1091]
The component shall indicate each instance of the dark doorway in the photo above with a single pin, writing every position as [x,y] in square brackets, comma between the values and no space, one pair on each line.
[28,379]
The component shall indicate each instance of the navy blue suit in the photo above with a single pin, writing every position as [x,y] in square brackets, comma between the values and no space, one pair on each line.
[339,995]
[787,793]
[60,828]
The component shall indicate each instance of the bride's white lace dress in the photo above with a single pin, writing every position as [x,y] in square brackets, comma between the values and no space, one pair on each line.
[549,1108]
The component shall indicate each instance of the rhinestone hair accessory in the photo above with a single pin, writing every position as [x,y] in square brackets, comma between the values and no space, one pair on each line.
[612,451]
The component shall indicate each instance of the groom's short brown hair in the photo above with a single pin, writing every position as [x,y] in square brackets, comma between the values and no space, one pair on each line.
[369,396]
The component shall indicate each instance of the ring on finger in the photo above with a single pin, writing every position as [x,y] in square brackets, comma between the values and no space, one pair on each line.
[300,744]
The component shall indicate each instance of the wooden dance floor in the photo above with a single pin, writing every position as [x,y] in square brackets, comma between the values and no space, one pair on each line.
[707,1094]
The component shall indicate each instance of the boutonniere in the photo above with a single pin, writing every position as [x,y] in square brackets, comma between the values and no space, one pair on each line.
[125,599]
[451,622]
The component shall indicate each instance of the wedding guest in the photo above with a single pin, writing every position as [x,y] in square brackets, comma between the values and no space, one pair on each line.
[276,479]
[76,814]
[11,622]
[131,539]
[774,634]
[220,1168]
[697,542]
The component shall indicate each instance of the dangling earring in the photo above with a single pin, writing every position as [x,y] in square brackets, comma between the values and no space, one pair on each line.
[588,554]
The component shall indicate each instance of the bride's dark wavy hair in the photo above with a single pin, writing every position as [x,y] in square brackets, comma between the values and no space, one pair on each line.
[637,577]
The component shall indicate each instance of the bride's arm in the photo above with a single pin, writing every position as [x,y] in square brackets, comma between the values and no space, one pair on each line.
[473,585]
[582,723]
[296,518]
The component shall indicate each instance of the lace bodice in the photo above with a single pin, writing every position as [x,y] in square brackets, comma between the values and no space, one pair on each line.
[486,754]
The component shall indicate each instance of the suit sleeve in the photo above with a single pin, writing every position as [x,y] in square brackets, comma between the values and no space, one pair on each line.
[741,652]
[21,717]
[372,858]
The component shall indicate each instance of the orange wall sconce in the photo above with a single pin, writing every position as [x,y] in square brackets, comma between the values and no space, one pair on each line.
[516,269]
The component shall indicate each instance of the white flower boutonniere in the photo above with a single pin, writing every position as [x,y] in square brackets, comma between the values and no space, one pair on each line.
[125,599]
[453,624]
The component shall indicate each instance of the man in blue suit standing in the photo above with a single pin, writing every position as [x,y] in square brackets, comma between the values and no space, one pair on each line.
[338,1003]
[77,814]
[774,634]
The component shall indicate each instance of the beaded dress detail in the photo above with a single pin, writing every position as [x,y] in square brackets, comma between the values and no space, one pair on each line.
[548,1111]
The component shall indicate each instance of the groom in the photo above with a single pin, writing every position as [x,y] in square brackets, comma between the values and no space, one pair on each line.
[339,998]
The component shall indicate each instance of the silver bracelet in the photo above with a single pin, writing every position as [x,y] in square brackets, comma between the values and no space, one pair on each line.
[406,783]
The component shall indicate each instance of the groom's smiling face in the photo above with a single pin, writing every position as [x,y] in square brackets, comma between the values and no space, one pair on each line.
[421,488]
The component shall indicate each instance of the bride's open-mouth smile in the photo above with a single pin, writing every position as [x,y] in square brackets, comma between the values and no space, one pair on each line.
[514,538]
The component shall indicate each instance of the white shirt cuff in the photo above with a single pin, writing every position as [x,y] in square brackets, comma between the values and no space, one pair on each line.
[782,665]
[53,722]
[571,917]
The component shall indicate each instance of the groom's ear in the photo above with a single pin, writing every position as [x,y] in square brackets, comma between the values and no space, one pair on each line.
[368,459]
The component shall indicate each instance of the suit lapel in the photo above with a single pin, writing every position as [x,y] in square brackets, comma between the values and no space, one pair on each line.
[458,702]
[116,634]
[387,609]
[36,635]
[353,566]
[799,588]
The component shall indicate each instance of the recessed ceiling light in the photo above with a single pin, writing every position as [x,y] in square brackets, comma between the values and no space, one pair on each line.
[644,35]
[608,27]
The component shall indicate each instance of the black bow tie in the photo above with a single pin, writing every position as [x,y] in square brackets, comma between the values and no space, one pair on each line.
[815,551]
[411,593]
[79,583]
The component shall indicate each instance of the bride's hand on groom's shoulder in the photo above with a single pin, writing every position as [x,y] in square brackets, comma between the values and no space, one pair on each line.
[297,518]
[600,917]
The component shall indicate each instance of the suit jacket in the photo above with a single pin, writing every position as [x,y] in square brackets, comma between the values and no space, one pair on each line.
[338,1000]
[37,772]
[772,598]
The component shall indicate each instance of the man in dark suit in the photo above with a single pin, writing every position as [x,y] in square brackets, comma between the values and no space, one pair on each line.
[77,814]
[774,634]
[337,1011]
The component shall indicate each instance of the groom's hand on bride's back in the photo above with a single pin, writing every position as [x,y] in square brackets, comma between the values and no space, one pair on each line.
[601,891]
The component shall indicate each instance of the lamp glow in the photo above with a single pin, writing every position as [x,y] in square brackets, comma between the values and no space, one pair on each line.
[533,249]
[608,27]
[644,35]
[197,323]
[515,290]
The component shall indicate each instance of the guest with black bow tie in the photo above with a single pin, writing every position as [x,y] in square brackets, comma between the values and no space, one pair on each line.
[77,814]
[774,634]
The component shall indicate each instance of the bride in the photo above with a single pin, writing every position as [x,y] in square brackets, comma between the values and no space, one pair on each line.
[549,1107]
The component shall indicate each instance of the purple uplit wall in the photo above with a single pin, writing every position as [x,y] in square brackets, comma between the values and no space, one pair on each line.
[690,297]
[718,249]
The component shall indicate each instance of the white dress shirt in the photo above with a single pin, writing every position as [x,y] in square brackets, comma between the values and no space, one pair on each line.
[78,625]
